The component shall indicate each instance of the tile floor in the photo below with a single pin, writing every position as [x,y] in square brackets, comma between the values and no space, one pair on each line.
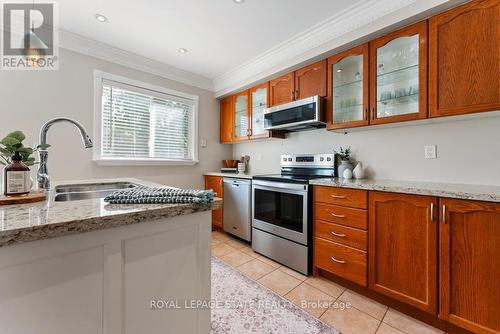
[364,316]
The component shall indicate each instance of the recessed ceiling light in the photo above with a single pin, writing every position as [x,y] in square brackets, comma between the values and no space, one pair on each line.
[239,1]
[182,50]
[101,18]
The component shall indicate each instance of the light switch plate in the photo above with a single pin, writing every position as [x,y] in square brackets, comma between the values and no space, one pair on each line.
[430,152]
[203,143]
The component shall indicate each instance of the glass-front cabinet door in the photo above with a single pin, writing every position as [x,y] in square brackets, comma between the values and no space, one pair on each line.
[348,88]
[259,100]
[399,75]
[240,119]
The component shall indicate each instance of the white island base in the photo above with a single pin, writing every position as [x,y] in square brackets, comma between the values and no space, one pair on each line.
[105,281]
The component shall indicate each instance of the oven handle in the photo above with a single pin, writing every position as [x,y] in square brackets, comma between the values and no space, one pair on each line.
[278,186]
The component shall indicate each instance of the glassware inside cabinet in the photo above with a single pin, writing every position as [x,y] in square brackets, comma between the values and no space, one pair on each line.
[347,76]
[398,77]
[259,103]
[241,116]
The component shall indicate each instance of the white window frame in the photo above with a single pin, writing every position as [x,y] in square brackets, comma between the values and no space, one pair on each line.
[99,76]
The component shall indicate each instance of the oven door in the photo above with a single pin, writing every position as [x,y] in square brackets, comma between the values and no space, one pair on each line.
[281,209]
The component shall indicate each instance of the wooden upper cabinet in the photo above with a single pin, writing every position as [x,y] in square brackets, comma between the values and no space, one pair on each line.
[310,80]
[348,88]
[226,119]
[470,264]
[241,116]
[398,74]
[282,89]
[465,59]
[403,248]
[259,100]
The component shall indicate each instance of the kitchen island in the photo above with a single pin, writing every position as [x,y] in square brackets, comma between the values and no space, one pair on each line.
[86,266]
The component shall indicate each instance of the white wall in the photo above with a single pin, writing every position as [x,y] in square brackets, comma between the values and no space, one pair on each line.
[30,98]
[468,151]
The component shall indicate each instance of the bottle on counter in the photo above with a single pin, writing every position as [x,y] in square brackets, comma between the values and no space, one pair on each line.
[16,177]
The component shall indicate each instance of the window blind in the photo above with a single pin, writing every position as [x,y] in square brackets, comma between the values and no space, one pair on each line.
[143,124]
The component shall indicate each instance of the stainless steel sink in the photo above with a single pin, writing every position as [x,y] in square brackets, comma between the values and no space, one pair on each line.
[76,192]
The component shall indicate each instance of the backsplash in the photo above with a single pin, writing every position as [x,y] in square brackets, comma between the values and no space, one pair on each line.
[468,151]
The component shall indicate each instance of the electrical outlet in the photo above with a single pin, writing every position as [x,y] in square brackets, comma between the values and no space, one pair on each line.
[430,152]
[203,143]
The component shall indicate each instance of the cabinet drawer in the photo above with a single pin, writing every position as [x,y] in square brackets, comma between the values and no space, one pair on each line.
[340,196]
[342,234]
[340,260]
[341,215]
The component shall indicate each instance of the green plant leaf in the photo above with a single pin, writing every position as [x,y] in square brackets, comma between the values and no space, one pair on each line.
[26,150]
[5,152]
[43,146]
[10,141]
[19,135]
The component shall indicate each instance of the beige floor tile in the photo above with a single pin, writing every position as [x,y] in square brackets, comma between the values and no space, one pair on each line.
[310,299]
[364,304]
[325,285]
[222,249]
[386,329]
[267,260]
[238,244]
[350,321]
[216,241]
[279,282]
[222,236]
[255,269]
[408,324]
[293,273]
[249,251]
[236,258]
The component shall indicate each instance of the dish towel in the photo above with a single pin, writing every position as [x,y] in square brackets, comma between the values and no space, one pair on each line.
[159,195]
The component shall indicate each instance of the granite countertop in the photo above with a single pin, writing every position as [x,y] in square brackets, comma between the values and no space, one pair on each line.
[29,222]
[449,190]
[234,175]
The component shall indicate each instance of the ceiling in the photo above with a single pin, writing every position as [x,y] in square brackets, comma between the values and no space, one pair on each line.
[218,34]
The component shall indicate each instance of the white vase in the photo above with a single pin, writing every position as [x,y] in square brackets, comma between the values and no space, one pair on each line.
[347,174]
[358,171]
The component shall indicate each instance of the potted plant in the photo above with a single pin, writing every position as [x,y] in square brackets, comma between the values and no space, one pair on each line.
[13,142]
[345,162]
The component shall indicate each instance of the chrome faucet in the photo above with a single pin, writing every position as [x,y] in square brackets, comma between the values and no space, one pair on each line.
[43,174]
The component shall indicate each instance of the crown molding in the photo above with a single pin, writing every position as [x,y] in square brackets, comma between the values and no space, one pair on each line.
[90,47]
[356,22]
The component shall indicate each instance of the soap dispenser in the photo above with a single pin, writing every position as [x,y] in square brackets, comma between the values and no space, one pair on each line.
[16,177]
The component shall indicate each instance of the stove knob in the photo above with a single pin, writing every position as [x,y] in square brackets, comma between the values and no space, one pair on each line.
[329,159]
[284,159]
[289,159]
[321,159]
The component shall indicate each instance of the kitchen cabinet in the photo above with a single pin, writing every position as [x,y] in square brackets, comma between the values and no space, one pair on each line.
[305,82]
[241,116]
[310,80]
[464,59]
[398,72]
[340,232]
[469,234]
[402,248]
[348,88]
[216,183]
[282,89]
[226,119]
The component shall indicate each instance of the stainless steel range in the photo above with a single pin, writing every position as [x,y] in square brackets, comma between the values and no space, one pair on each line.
[282,209]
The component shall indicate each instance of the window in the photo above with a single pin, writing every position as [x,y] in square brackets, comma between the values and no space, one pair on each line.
[141,124]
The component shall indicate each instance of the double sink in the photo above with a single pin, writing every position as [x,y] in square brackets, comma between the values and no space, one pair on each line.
[75,192]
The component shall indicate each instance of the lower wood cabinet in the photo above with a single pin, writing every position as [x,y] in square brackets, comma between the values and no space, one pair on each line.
[216,183]
[402,250]
[469,235]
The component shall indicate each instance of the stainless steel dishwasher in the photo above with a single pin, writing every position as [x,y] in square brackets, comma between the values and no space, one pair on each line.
[238,207]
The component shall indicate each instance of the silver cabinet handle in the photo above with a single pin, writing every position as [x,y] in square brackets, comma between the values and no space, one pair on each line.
[432,211]
[444,213]
[336,215]
[338,261]
[338,196]
[338,234]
